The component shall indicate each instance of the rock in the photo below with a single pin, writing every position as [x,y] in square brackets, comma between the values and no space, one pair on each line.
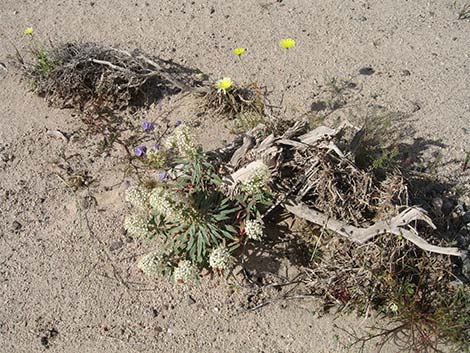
[17,225]
[53,332]
[405,73]
[190,300]
[154,312]
[45,341]
[366,71]
[115,245]
[6,157]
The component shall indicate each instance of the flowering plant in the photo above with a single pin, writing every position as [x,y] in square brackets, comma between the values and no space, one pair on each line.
[198,224]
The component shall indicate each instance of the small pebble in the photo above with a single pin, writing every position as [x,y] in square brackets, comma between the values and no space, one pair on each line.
[366,71]
[190,300]
[115,245]
[154,312]
[17,225]
[405,73]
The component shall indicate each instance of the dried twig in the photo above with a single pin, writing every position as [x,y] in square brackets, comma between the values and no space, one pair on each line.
[394,226]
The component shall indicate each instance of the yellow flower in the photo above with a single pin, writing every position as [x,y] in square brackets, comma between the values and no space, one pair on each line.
[28,31]
[238,51]
[224,84]
[393,307]
[287,43]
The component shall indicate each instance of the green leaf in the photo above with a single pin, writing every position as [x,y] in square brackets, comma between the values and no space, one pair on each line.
[220,218]
[228,235]
[215,231]
[191,242]
[233,247]
[231,228]
[176,230]
[200,247]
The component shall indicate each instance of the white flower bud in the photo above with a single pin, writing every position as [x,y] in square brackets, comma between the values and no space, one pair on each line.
[151,264]
[254,229]
[185,272]
[137,196]
[182,139]
[220,259]
[137,226]
[257,181]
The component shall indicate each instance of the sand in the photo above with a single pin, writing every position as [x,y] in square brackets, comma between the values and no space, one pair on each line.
[65,288]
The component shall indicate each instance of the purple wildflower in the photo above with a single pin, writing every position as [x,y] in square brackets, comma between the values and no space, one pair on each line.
[140,150]
[147,126]
[162,176]
[155,146]
[178,122]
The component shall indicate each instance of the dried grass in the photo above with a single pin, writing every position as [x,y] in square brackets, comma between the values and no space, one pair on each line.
[88,76]
[234,102]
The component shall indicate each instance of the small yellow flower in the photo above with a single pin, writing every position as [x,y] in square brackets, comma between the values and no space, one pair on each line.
[238,51]
[224,84]
[287,43]
[28,31]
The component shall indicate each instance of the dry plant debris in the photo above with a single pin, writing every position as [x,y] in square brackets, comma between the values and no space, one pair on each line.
[88,76]
[235,101]
[372,249]
[323,186]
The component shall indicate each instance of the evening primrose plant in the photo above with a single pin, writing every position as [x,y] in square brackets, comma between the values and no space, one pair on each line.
[189,214]
[243,103]
[230,99]
[43,64]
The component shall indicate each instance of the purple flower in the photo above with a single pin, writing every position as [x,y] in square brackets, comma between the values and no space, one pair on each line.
[162,176]
[140,150]
[178,122]
[155,146]
[147,126]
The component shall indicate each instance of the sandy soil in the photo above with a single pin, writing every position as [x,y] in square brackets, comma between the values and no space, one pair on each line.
[67,273]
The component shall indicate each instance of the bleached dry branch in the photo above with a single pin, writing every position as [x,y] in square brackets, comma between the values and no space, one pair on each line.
[398,225]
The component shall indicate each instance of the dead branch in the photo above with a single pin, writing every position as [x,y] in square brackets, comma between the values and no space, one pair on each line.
[398,225]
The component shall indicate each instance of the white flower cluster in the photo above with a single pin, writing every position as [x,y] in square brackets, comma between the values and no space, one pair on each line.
[165,203]
[137,196]
[150,264]
[257,181]
[220,259]
[185,272]
[181,138]
[137,225]
[254,229]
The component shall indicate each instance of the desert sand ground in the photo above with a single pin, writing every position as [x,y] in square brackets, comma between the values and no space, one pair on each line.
[67,273]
